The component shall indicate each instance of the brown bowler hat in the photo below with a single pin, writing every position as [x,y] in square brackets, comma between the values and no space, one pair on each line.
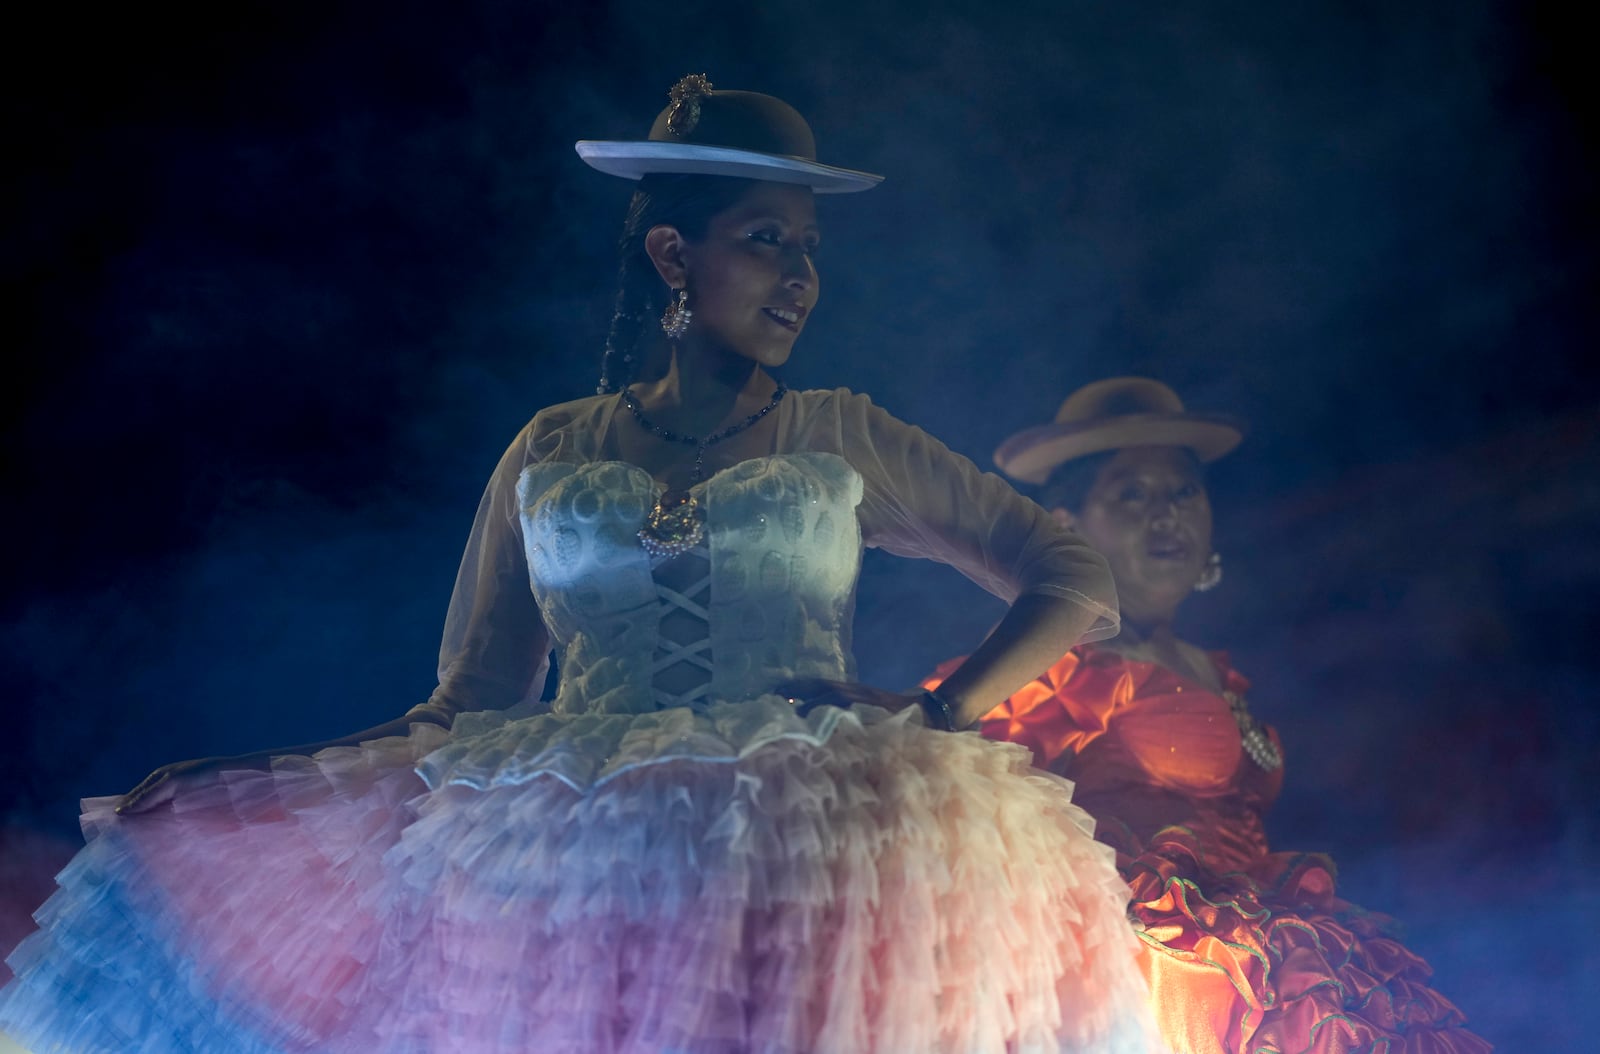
[726,133]
[1109,415]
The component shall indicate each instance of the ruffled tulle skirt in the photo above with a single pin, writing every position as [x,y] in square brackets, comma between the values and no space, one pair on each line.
[1268,960]
[738,880]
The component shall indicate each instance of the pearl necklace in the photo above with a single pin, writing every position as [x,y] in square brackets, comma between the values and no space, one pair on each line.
[676,524]
[1253,734]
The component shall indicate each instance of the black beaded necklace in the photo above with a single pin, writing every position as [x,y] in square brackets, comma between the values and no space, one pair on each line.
[700,445]
[676,524]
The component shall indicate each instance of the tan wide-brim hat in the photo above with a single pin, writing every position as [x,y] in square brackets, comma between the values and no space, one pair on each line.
[1112,414]
[726,133]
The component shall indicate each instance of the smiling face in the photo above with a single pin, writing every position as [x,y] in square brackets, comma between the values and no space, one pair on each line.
[1148,514]
[751,281]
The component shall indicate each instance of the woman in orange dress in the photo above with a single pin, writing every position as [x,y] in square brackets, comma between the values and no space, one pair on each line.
[1246,950]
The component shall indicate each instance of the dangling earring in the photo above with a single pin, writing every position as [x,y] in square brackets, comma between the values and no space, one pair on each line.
[1211,576]
[675,320]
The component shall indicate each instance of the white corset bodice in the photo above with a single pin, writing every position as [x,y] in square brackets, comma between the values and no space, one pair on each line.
[766,596]
[664,658]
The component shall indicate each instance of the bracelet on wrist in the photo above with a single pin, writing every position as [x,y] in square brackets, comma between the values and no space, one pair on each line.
[938,712]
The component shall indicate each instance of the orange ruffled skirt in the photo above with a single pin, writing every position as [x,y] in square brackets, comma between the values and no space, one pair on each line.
[1268,960]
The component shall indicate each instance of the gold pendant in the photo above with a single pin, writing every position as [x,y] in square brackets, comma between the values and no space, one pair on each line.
[674,526]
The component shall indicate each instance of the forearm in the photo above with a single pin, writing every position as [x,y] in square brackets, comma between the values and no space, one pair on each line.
[1035,633]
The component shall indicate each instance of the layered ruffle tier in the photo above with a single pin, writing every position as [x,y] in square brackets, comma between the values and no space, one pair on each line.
[1268,960]
[729,880]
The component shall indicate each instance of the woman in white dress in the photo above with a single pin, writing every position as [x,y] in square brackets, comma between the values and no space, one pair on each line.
[713,840]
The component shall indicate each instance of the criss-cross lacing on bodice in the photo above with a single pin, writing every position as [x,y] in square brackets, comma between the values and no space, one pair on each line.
[680,670]
[762,598]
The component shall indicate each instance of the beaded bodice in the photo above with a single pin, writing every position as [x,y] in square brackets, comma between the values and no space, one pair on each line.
[764,597]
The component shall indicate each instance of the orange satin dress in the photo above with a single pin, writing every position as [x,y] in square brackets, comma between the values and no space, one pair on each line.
[1247,951]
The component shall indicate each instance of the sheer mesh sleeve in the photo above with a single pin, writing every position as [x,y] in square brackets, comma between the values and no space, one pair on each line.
[495,650]
[923,500]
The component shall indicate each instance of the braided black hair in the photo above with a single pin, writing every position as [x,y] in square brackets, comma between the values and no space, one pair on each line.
[687,202]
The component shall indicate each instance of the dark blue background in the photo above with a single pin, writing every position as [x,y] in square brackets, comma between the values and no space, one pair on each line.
[283,280]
